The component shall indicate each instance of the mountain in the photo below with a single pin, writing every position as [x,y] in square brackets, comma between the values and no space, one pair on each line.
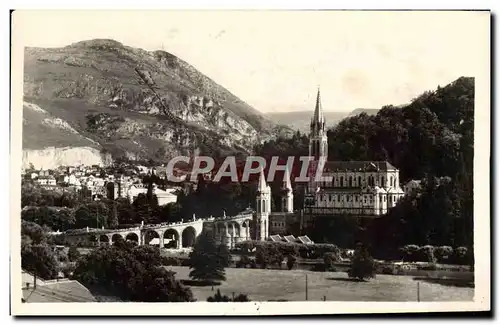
[368,111]
[300,120]
[131,103]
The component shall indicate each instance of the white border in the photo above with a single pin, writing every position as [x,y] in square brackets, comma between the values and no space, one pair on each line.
[481,198]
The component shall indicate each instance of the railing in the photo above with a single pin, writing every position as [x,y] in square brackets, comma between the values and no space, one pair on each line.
[153,226]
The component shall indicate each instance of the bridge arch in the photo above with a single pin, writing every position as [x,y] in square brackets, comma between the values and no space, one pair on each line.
[219,227]
[188,236]
[116,237]
[104,239]
[93,239]
[150,237]
[172,236]
[132,237]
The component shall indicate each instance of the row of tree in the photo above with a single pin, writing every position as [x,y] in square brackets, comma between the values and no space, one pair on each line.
[60,215]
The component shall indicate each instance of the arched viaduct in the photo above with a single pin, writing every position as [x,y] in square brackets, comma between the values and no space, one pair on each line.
[226,230]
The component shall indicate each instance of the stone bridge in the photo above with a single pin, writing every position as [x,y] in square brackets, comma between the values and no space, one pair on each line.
[226,230]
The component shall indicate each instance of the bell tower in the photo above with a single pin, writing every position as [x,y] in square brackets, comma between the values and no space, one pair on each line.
[263,205]
[318,141]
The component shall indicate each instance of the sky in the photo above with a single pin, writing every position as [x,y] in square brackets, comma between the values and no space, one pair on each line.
[276,60]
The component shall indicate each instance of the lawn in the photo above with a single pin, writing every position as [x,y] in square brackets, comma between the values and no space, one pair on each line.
[265,285]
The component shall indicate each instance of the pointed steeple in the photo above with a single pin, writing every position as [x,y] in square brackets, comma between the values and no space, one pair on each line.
[287,184]
[318,110]
[262,187]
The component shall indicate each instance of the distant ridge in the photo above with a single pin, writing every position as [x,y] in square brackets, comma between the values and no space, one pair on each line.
[300,120]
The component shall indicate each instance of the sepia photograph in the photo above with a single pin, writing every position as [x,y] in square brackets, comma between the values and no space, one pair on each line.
[274,162]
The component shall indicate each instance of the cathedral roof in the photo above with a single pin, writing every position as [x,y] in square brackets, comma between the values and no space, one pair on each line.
[333,166]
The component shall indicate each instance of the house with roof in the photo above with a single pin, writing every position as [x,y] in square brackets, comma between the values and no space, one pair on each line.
[164,196]
[47,181]
[411,186]
[36,290]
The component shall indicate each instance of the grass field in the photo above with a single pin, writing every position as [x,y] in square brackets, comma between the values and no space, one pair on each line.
[264,285]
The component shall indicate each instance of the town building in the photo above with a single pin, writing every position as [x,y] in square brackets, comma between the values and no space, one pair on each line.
[164,196]
[412,186]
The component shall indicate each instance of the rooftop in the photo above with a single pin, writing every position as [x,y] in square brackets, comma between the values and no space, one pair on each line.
[63,291]
[359,166]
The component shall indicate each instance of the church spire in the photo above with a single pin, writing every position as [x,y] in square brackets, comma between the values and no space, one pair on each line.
[318,110]
[262,187]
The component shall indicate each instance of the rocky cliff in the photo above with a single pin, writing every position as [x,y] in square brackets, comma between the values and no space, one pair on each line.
[51,158]
[133,103]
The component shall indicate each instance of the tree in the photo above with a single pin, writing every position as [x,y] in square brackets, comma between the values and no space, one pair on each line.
[131,273]
[40,260]
[125,212]
[224,255]
[36,233]
[204,260]
[113,219]
[362,264]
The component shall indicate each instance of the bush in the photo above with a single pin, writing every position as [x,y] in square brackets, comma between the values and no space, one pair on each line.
[443,254]
[268,255]
[320,267]
[430,267]
[68,270]
[218,297]
[330,259]
[362,266]
[426,254]
[62,256]
[170,261]
[410,253]
[463,256]
[388,269]
[73,254]
[290,262]
[244,261]
[302,250]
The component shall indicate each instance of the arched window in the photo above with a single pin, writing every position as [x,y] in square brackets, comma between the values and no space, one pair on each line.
[350,181]
[359,180]
[341,181]
[392,181]
[333,181]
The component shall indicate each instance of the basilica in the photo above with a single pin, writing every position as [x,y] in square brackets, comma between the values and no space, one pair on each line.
[358,188]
